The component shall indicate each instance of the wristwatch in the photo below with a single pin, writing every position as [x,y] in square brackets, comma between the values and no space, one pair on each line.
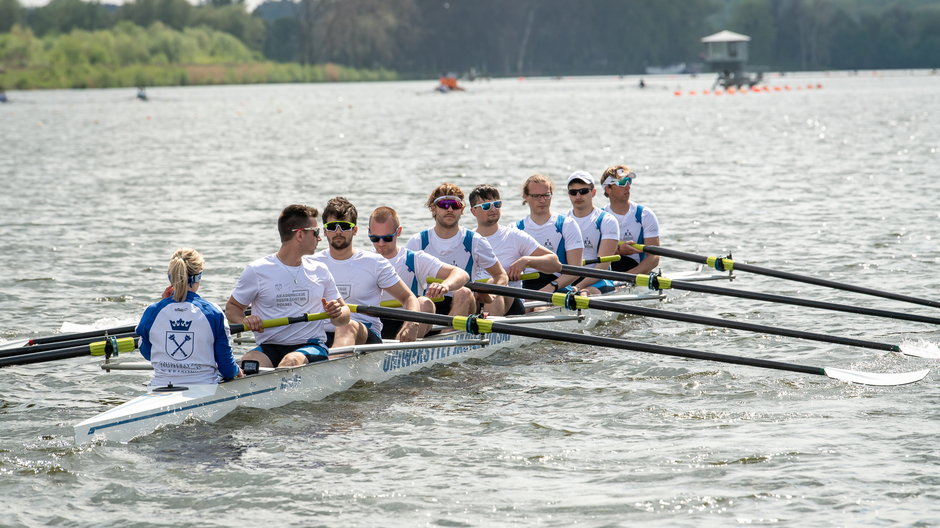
[555,284]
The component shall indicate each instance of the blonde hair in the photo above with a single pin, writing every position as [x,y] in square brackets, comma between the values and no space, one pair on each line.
[384,214]
[536,178]
[184,264]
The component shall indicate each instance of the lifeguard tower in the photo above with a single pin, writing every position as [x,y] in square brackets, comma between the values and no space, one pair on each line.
[726,53]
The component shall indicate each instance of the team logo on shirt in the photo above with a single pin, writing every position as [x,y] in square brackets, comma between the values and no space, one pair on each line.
[345,290]
[298,297]
[179,341]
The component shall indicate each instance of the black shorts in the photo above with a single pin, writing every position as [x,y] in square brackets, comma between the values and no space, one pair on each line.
[444,306]
[517,307]
[540,282]
[625,264]
[390,328]
[372,337]
[313,351]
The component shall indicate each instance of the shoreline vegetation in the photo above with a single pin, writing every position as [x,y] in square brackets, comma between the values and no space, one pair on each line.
[131,56]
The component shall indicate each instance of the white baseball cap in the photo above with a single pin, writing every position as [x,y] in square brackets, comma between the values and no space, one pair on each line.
[581,175]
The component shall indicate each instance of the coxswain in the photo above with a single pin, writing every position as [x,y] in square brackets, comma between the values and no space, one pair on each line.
[185,337]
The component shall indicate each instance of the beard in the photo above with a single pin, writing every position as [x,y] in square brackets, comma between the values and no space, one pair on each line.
[340,242]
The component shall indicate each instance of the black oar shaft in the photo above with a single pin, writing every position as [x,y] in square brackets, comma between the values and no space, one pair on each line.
[568,337]
[32,349]
[689,318]
[82,335]
[744,294]
[681,255]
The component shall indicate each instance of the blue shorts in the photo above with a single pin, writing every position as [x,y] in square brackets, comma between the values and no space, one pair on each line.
[604,285]
[313,351]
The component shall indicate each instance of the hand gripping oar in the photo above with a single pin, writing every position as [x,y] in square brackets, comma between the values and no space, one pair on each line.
[658,282]
[477,325]
[727,264]
[581,302]
[128,344]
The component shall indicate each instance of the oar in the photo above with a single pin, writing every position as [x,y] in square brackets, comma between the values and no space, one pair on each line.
[727,264]
[81,335]
[583,302]
[658,282]
[31,349]
[128,344]
[477,325]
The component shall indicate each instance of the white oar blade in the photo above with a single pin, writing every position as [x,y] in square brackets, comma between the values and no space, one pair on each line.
[19,343]
[876,378]
[922,349]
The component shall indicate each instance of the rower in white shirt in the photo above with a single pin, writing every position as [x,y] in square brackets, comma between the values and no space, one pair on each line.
[637,223]
[558,233]
[414,268]
[515,249]
[599,229]
[362,276]
[457,246]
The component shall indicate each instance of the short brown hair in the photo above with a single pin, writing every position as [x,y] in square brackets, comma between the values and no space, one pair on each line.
[294,216]
[444,189]
[384,214]
[341,209]
[483,192]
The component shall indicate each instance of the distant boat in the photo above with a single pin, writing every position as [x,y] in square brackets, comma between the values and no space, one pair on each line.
[667,70]
[3,97]
[142,94]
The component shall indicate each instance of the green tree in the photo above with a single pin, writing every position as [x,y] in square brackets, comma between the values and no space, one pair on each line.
[176,14]
[755,18]
[11,14]
[62,16]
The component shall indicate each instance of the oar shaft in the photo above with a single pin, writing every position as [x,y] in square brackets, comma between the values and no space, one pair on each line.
[760,270]
[49,355]
[744,294]
[82,335]
[568,337]
[687,318]
[32,349]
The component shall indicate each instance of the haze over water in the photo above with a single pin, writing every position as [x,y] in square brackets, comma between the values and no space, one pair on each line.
[838,182]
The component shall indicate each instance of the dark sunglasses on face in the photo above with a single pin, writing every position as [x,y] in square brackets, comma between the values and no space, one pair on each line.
[315,231]
[383,238]
[338,224]
[449,204]
[581,191]
[486,205]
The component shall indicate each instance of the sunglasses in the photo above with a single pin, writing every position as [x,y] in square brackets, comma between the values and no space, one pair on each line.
[581,191]
[622,182]
[339,224]
[540,195]
[486,205]
[315,231]
[449,202]
[383,238]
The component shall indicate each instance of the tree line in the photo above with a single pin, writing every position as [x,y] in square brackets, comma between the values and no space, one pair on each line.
[518,37]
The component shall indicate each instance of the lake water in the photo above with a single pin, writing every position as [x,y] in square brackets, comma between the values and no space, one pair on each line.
[838,182]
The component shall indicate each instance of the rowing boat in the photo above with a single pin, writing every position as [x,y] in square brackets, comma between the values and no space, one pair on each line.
[271,388]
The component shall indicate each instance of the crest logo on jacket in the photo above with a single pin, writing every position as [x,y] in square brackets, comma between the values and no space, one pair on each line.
[179,340]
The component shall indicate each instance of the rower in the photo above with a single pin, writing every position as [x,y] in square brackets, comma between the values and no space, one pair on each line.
[599,229]
[558,233]
[457,246]
[362,276]
[185,337]
[285,284]
[414,268]
[515,249]
[638,224]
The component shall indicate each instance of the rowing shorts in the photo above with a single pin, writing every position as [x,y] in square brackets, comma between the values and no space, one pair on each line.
[603,285]
[313,351]
[516,308]
[444,306]
[390,328]
[625,264]
[372,337]
[540,282]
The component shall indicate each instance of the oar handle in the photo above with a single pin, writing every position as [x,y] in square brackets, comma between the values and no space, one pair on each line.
[282,321]
[599,260]
[525,276]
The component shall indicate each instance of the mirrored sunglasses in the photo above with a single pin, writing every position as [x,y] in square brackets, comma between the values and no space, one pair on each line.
[621,182]
[383,238]
[486,205]
[339,224]
[449,202]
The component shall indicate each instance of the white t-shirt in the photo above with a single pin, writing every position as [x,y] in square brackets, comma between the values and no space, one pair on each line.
[547,235]
[425,265]
[510,245]
[360,279]
[610,230]
[630,228]
[274,290]
[451,250]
